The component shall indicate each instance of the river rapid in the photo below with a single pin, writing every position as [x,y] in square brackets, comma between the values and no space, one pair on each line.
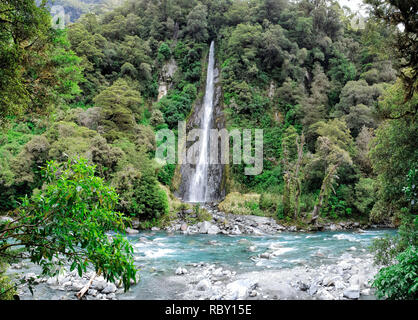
[286,265]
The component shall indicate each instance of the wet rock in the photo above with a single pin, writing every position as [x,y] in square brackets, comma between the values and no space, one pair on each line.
[265,255]
[155,229]
[183,227]
[181,271]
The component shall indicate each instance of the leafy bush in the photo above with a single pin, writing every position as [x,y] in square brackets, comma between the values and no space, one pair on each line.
[399,281]
[269,202]
[66,223]
[140,194]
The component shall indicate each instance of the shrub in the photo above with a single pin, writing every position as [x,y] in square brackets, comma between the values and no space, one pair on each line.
[269,202]
[140,194]
[66,223]
[399,281]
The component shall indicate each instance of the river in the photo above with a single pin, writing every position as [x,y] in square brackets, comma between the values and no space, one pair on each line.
[160,254]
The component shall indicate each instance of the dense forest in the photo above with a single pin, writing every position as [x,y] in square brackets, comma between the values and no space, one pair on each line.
[336,98]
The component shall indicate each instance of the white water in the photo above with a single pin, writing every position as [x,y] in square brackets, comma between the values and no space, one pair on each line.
[199,181]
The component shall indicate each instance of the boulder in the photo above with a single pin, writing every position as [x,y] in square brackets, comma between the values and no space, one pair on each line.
[236,230]
[213,229]
[204,227]
[240,289]
[131,231]
[92,292]
[352,293]
[183,227]
[98,284]
[110,288]
[313,289]
[180,271]
[203,285]
[265,255]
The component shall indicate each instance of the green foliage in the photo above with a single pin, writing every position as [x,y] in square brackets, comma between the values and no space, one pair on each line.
[68,221]
[37,65]
[365,195]
[338,203]
[166,174]
[7,288]
[141,195]
[164,52]
[176,105]
[394,154]
[399,281]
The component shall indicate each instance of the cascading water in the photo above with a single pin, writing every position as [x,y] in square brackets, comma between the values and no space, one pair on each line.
[199,180]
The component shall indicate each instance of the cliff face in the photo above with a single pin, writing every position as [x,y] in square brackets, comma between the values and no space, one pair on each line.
[216,187]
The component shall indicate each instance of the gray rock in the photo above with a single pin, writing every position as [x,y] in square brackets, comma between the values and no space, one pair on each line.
[204,227]
[98,284]
[180,271]
[213,229]
[76,286]
[313,289]
[240,289]
[236,230]
[303,286]
[111,296]
[110,288]
[352,293]
[203,285]
[265,255]
[92,292]
[131,231]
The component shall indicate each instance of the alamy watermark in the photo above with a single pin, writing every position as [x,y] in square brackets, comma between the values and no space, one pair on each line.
[217,150]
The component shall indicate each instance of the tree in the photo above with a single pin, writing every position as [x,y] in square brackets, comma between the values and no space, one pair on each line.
[66,224]
[292,145]
[334,147]
[36,65]
[405,44]
[394,152]
[197,24]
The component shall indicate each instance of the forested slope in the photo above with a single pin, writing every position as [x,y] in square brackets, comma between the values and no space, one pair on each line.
[337,100]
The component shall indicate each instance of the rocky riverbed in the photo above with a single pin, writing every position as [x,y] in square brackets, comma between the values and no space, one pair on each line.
[233,224]
[229,257]
[350,278]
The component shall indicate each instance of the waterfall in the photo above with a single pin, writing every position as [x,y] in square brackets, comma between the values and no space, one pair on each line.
[199,180]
